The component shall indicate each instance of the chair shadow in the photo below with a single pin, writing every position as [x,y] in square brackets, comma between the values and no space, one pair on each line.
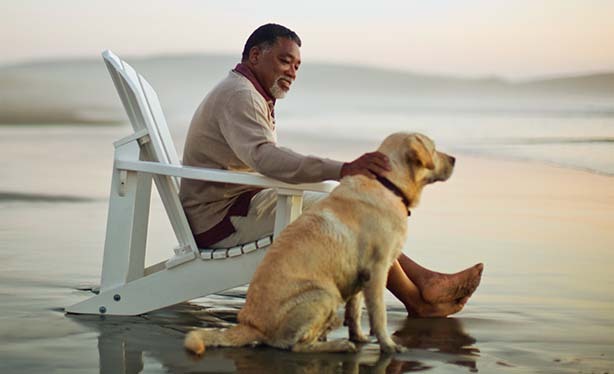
[131,344]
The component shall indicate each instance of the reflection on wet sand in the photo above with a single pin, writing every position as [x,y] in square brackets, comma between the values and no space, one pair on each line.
[445,335]
[132,344]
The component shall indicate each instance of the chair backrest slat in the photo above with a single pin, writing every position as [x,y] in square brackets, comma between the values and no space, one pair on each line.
[160,126]
[114,66]
[144,111]
[137,96]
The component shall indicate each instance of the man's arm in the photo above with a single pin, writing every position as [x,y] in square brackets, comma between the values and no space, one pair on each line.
[245,128]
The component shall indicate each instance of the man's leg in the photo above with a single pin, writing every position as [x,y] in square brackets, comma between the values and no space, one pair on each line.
[410,295]
[260,218]
[442,288]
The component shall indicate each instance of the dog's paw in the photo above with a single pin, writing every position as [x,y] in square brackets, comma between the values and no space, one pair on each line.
[359,338]
[391,347]
[339,346]
[350,347]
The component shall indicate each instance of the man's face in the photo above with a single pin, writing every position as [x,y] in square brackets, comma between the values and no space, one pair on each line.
[276,67]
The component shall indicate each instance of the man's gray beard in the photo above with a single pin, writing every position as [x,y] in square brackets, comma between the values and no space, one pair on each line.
[277,91]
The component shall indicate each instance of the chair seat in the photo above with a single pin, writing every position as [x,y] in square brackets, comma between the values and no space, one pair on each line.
[223,253]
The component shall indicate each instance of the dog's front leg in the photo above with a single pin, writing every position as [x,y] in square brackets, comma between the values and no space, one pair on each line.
[353,309]
[374,298]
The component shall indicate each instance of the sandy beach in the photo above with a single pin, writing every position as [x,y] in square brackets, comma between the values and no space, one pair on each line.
[521,93]
[545,305]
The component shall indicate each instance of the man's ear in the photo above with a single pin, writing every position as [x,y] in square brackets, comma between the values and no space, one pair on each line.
[254,55]
[419,152]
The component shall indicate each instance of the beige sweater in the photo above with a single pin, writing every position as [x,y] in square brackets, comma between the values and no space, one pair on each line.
[233,129]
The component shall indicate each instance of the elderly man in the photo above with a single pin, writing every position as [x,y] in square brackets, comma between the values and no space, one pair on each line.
[234,129]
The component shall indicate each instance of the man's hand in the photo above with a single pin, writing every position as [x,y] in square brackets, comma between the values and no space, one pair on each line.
[369,164]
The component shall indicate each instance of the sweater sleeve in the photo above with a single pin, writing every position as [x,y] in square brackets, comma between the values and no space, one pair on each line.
[245,127]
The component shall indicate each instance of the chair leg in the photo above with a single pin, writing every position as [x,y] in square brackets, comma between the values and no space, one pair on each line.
[289,207]
[127,221]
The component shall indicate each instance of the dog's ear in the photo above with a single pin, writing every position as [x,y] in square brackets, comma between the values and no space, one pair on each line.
[419,152]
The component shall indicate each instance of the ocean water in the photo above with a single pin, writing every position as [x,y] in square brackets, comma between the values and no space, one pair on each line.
[583,141]
[546,302]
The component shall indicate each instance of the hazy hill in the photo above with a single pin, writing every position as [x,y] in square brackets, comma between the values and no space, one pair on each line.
[80,91]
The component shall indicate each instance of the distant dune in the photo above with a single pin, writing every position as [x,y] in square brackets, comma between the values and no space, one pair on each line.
[80,91]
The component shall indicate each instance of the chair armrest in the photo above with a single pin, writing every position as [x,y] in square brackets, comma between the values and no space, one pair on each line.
[215,175]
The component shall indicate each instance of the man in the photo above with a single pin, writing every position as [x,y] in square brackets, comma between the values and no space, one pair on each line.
[234,129]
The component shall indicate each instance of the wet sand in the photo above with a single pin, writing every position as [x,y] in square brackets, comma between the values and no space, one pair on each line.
[545,305]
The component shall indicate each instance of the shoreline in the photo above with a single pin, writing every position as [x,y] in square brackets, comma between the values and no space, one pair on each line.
[310,143]
[537,162]
[314,143]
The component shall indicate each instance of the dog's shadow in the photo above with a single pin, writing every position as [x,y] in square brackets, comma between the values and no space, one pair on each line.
[132,344]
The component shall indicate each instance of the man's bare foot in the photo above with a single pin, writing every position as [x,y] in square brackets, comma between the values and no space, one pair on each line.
[441,289]
[437,310]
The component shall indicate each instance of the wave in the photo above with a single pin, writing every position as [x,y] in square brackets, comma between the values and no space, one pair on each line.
[579,164]
[547,140]
[38,198]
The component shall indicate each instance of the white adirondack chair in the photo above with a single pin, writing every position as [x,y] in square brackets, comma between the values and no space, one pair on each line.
[127,287]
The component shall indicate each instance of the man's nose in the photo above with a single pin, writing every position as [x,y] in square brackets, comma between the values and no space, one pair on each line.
[292,72]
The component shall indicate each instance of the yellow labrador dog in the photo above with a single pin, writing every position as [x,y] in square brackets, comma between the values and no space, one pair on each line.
[341,248]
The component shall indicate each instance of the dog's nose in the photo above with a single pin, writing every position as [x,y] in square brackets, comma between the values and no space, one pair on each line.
[452,160]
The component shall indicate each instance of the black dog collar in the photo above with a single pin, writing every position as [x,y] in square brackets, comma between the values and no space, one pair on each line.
[395,190]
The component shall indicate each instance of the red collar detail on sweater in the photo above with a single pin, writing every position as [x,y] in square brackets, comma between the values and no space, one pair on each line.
[244,70]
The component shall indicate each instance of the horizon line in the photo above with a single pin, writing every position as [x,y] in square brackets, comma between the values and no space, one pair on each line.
[526,78]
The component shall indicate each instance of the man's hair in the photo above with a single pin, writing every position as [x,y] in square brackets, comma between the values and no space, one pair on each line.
[266,35]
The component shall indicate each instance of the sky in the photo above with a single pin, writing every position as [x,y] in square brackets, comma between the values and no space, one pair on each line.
[511,39]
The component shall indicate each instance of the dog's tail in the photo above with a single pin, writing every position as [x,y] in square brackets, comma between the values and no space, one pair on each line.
[236,336]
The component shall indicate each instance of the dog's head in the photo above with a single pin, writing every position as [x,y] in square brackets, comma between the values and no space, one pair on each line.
[415,163]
